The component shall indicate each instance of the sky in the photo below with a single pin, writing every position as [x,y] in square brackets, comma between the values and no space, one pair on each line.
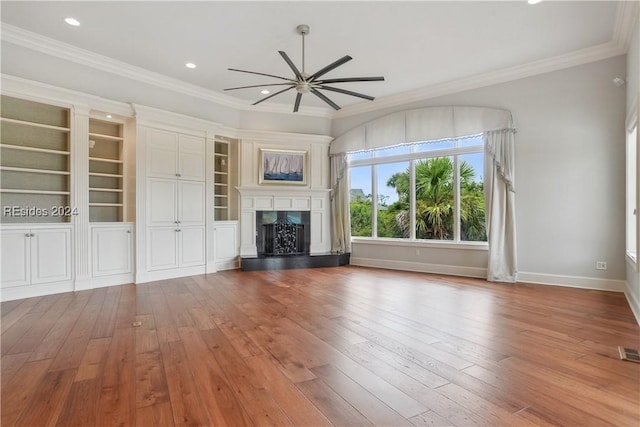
[361,176]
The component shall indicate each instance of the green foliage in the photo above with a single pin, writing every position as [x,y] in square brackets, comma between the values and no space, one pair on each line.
[434,204]
[361,208]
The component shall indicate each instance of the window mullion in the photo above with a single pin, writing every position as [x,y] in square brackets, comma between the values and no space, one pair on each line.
[374,201]
[412,200]
[456,199]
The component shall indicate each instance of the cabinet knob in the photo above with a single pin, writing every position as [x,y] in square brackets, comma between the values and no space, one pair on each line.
[31,235]
[128,231]
[177,230]
[27,235]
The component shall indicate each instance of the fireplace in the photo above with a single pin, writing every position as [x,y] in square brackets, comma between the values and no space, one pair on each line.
[282,233]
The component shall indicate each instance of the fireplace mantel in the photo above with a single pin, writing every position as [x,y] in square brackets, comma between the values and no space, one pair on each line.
[283,198]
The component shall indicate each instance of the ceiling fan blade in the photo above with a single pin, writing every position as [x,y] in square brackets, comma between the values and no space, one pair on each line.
[296,106]
[325,99]
[346,92]
[247,87]
[290,64]
[351,79]
[273,94]
[330,67]
[260,74]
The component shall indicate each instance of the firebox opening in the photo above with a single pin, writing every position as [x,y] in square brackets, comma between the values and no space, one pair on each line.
[282,233]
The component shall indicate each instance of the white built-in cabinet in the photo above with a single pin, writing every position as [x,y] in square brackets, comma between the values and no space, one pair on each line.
[175,203]
[227,247]
[35,255]
[36,183]
[112,252]
[174,155]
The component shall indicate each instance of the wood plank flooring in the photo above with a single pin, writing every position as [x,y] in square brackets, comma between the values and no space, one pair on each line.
[336,346]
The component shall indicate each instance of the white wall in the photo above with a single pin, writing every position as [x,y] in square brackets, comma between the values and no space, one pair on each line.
[633,98]
[569,174]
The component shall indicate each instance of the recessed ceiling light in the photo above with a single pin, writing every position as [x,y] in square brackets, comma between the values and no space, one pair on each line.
[72,21]
[109,116]
[264,92]
[190,65]
[533,1]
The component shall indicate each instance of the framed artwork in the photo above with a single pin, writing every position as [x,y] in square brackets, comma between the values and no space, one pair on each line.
[283,167]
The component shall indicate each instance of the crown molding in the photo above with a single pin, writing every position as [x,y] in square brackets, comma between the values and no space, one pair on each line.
[43,92]
[155,117]
[627,15]
[580,57]
[36,42]
[271,136]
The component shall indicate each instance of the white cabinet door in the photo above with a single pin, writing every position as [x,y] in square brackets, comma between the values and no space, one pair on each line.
[162,248]
[50,255]
[192,246]
[162,154]
[171,155]
[161,201]
[191,203]
[111,252]
[16,258]
[191,158]
[226,241]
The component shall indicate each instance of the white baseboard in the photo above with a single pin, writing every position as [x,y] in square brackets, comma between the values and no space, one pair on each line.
[170,273]
[82,284]
[453,270]
[29,291]
[113,280]
[572,281]
[228,264]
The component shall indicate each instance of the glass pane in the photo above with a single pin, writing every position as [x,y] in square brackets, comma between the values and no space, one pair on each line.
[432,145]
[360,201]
[434,198]
[359,155]
[392,151]
[393,199]
[472,212]
[471,141]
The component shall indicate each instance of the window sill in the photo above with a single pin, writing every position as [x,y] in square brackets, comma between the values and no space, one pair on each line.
[474,246]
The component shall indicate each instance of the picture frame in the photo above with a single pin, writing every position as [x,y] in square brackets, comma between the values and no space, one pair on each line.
[283,167]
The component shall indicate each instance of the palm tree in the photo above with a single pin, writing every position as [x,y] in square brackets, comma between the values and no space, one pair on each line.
[434,200]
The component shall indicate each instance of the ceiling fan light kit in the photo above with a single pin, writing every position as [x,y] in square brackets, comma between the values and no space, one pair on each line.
[305,83]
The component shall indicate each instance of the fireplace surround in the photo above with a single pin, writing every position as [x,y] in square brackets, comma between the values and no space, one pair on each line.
[283,233]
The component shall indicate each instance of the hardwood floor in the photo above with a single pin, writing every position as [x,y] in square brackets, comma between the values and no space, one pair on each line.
[335,346]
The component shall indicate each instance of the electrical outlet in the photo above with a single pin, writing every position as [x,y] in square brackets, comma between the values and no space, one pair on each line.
[601,265]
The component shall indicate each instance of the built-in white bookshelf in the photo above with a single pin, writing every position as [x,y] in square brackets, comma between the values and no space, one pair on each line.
[221,179]
[106,171]
[34,161]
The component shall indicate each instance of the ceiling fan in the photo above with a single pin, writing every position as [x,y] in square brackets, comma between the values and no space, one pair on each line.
[310,83]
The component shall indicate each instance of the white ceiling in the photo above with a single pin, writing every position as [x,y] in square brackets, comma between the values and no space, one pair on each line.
[413,44]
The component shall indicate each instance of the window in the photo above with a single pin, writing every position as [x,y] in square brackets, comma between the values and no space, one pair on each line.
[425,191]
[632,193]
[360,202]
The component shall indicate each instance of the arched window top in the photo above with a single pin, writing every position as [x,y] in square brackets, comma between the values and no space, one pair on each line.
[424,124]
